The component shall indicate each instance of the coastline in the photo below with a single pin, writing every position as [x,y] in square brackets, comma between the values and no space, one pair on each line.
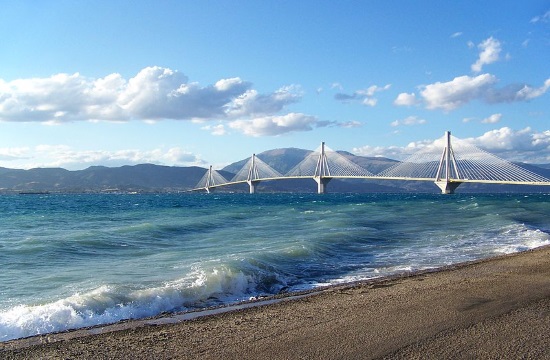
[486,308]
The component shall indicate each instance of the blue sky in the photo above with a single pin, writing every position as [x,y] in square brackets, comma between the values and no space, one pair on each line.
[185,83]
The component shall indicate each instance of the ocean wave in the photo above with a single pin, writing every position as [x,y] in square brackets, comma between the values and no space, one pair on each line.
[203,287]
[100,262]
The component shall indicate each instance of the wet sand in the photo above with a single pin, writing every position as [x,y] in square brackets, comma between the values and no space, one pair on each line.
[491,309]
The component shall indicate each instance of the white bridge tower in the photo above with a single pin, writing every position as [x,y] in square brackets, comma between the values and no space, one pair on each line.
[322,171]
[253,175]
[448,177]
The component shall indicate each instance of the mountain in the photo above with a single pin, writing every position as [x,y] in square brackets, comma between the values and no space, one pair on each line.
[281,160]
[144,177]
[157,178]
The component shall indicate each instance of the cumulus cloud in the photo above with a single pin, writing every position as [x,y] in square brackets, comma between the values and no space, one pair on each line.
[14,153]
[364,96]
[461,90]
[66,157]
[408,121]
[251,103]
[516,145]
[528,92]
[456,34]
[489,52]
[276,125]
[155,93]
[158,93]
[457,92]
[493,119]
[525,145]
[216,130]
[516,92]
[405,99]
[397,152]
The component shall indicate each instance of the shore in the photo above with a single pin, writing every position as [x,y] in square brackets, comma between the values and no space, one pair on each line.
[489,309]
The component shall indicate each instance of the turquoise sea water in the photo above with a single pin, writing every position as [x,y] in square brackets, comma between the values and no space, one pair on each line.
[70,261]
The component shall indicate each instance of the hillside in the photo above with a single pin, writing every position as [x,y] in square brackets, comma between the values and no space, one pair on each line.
[144,177]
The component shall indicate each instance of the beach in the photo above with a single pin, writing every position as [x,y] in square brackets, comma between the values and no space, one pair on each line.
[493,308]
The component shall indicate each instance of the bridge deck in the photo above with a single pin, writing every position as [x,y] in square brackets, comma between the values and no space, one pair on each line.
[454,165]
[395,178]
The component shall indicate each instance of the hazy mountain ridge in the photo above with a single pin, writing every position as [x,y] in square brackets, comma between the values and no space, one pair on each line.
[159,178]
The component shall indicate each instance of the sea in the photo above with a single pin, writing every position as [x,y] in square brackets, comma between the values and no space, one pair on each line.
[69,261]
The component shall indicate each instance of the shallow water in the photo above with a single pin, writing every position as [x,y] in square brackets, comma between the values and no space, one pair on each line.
[70,261]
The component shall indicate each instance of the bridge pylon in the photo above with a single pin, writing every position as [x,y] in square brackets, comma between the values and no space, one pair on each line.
[253,175]
[209,180]
[448,176]
[322,170]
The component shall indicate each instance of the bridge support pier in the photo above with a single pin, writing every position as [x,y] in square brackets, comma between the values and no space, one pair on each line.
[447,187]
[252,184]
[321,184]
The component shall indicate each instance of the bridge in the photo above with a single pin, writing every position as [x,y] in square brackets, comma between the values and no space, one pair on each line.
[448,163]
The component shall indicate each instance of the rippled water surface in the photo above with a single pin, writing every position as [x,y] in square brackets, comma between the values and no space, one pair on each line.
[70,261]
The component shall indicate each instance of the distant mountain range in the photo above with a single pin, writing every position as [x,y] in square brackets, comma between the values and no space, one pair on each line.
[157,178]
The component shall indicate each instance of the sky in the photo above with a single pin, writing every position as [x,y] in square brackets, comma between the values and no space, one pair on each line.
[199,83]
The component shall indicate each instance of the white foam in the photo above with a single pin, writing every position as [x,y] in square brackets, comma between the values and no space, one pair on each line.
[109,304]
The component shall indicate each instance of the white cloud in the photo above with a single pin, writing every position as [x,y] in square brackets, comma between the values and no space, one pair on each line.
[391,152]
[523,145]
[489,53]
[542,18]
[350,124]
[276,125]
[516,145]
[529,93]
[155,93]
[493,119]
[463,89]
[396,152]
[66,157]
[364,96]
[515,92]
[504,139]
[456,34]
[217,130]
[405,99]
[251,103]
[14,154]
[457,92]
[160,93]
[408,121]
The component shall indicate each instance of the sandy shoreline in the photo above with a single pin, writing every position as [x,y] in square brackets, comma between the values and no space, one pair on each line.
[495,308]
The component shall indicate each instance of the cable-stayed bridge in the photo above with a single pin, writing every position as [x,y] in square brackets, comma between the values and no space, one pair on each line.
[448,163]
